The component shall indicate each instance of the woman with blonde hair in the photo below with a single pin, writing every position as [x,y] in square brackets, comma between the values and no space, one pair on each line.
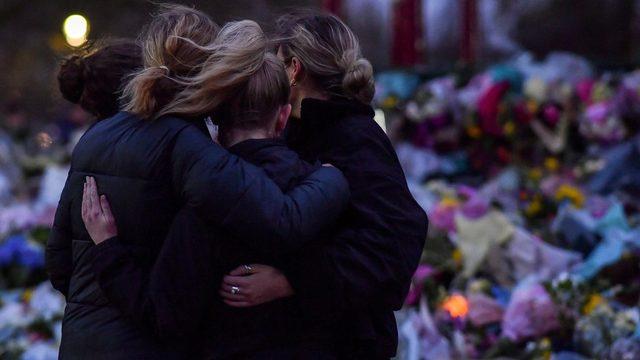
[252,97]
[151,161]
[355,281]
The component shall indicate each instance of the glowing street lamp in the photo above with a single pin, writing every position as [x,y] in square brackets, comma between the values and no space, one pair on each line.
[76,29]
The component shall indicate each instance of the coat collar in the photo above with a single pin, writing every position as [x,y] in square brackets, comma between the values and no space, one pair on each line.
[336,108]
[252,148]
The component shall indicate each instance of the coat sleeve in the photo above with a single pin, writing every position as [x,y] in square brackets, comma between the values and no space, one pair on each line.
[373,256]
[58,257]
[239,198]
[179,288]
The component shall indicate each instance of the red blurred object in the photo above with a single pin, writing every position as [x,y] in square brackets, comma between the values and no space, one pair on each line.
[504,155]
[469,31]
[332,6]
[407,33]
[522,113]
[488,108]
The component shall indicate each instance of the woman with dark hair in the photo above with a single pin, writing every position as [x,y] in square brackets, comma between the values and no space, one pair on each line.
[150,162]
[94,79]
[357,279]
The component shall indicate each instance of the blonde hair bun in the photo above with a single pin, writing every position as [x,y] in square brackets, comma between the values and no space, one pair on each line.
[329,52]
[358,81]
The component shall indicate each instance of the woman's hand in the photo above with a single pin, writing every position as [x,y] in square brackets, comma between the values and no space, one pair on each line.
[251,285]
[96,213]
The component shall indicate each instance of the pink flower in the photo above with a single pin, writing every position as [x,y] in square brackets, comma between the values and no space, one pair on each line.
[551,114]
[583,89]
[597,113]
[484,310]
[476,207]
[443,217]
[530,313]
[417,284]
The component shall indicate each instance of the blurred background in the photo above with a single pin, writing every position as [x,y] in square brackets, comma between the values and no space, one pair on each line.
[516,122]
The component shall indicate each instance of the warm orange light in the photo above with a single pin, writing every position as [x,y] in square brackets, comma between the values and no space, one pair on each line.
[456,305]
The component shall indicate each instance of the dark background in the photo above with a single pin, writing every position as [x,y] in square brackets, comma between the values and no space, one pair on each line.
[604,31]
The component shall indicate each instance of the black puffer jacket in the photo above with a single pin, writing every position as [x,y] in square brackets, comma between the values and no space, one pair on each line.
[178,300]
[148,170]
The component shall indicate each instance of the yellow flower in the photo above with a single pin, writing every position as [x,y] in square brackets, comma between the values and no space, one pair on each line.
[448,201]
[545,346]
[535,174]
[532,106]
[571,193]
[509,128]
[533,208]
[545,343]
[26,296]
[474,131]
[592,304]
[551,164]
[390,102]
[457,256]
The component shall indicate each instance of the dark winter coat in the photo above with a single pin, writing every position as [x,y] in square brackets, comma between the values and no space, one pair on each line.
[178,301]
[364,274]
[149,170]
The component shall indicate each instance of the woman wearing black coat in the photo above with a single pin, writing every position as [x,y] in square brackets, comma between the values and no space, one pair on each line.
[177,299]
[150,165]
[362,273]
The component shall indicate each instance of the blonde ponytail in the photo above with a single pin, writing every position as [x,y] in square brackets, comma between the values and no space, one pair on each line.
[147,90]
[238,52]
[172,49]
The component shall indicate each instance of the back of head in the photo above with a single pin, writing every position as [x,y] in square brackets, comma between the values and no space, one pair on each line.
[329,53]
[240,82]
[258,98]
[173,48]
[95,77]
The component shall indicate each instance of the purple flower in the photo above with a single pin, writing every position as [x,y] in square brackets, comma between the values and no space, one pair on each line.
[18,250]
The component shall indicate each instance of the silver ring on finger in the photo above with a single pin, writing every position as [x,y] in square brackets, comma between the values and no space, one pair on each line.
[247,269]
[235,290]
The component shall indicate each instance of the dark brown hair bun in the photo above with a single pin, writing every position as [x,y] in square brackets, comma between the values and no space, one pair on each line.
[71,78]
[95,77]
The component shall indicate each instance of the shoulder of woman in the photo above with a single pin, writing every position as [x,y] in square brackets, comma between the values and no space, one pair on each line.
[359,128]
[174,122]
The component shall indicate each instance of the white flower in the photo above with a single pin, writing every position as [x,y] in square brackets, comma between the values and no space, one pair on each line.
[15,315]
[46,302]
[41,351]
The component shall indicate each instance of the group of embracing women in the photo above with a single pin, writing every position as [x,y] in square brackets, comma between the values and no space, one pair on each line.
[235,198]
